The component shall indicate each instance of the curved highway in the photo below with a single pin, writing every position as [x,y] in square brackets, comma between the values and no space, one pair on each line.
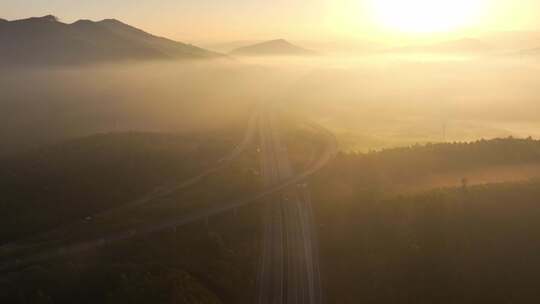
[163,191]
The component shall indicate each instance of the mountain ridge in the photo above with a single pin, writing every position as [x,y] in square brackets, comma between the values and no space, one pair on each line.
[276,47]
[530,52]
[48,41]
[463,45]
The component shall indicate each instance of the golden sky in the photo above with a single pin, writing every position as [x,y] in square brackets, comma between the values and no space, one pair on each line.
[222,20]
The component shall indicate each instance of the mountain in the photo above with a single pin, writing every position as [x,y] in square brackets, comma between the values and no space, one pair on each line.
[530,52]
[466,45]
[513,40]
[279,47]
[229,46]
[47,41]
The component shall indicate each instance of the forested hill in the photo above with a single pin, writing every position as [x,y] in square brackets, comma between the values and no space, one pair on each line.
[416,161]
[48,41]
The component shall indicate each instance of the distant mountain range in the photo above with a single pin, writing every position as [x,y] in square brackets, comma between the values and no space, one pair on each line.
[466,45]
[227,46]
[514,40]
[47,41]
[279,47]
[530,53]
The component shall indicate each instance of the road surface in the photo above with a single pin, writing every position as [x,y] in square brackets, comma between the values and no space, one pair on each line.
[289,268]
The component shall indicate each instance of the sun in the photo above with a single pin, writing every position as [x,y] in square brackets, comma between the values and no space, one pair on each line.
[426,16]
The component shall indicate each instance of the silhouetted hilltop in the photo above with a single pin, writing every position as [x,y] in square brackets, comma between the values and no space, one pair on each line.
[513,40]
[530,52]
[229,46]
[279,47]
[47,41]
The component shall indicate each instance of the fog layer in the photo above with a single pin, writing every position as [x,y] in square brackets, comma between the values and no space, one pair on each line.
[369,102]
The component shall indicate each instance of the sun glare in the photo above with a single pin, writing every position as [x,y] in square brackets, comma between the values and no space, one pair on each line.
[426,16]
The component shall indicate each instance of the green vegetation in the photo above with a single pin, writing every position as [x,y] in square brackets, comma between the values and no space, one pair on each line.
[177,266]
[197,263]
[468,244]
[381,171]
[472,245]
[55,185]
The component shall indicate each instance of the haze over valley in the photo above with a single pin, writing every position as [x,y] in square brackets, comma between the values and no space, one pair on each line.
[285,153]
[383,99]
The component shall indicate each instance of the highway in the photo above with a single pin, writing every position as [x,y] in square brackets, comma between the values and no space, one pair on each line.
[289,269]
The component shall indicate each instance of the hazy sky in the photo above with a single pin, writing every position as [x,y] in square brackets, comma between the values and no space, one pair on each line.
[221,20]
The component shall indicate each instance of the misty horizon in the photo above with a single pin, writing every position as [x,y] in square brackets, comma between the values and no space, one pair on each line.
[307,152]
